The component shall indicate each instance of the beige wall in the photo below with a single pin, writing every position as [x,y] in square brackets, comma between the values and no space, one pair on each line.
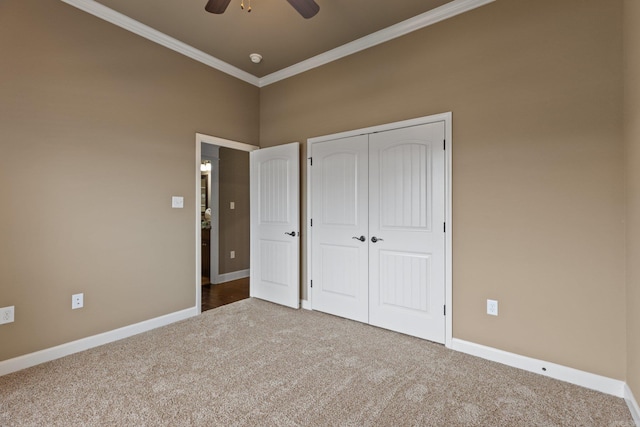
[97,132]
[632,139]
[234,223]
[538,184]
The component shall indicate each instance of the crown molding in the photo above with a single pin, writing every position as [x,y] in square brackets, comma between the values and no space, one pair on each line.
[423,20]
[123,21]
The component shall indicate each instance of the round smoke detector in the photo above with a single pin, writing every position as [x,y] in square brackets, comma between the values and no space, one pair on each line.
[256,58]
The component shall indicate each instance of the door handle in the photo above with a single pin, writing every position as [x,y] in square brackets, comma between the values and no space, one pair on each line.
[292,234]
[376,239]
[361,238]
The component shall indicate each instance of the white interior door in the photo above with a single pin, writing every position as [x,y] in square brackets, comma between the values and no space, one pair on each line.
[340,228]
[406,226]
[275,224]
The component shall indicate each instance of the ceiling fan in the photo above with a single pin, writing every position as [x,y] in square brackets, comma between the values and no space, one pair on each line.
[306,8]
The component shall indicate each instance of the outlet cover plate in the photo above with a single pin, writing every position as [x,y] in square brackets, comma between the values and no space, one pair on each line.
[7,314]
[492,307]
[77,301]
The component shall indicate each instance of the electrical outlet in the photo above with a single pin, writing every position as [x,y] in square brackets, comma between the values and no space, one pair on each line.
[232,205]
[7,314]
[232,254]
[492,307]
[77,301]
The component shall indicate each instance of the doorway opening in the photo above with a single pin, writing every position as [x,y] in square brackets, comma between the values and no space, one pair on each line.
[214,296]
[222,221]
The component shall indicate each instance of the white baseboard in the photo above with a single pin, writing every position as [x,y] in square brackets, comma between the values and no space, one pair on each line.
[234,275]
[306,304]
[632,403]
[38,357]
[559,372]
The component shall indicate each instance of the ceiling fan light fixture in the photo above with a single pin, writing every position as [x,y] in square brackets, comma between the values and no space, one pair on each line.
[256,58]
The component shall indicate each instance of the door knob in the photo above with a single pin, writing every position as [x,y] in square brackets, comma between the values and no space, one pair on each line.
[375,239]
[292,234]
[361,238]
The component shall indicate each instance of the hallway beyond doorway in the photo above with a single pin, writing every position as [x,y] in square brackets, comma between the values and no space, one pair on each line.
[214,296]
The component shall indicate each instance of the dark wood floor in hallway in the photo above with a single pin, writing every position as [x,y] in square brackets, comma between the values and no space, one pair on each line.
[224,293]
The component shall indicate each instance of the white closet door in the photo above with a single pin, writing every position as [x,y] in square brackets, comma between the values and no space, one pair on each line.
[406,216]
[275,224]
[339,231]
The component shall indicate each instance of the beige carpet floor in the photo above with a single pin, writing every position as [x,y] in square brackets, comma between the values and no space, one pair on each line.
[253,363]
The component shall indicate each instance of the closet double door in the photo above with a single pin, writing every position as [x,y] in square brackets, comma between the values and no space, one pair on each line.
[378,238]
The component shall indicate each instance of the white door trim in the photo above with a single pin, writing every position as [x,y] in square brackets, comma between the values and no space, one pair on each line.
[446,117]
[214,178]
[221,142]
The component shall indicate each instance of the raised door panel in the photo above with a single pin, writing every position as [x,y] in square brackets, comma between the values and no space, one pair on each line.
[339,212]
[274,203]
[405,183]
[404,280]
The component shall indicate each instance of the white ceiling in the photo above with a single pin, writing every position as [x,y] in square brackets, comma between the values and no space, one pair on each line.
[288,43]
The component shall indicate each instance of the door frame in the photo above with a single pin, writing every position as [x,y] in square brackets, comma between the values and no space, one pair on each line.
[214,178]
[221,142]
[443,117]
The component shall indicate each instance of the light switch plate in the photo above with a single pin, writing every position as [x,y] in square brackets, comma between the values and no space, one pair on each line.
[177,202]
[232,205]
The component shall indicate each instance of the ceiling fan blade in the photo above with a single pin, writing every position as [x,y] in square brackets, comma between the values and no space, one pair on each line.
[217,6]
[306,8]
